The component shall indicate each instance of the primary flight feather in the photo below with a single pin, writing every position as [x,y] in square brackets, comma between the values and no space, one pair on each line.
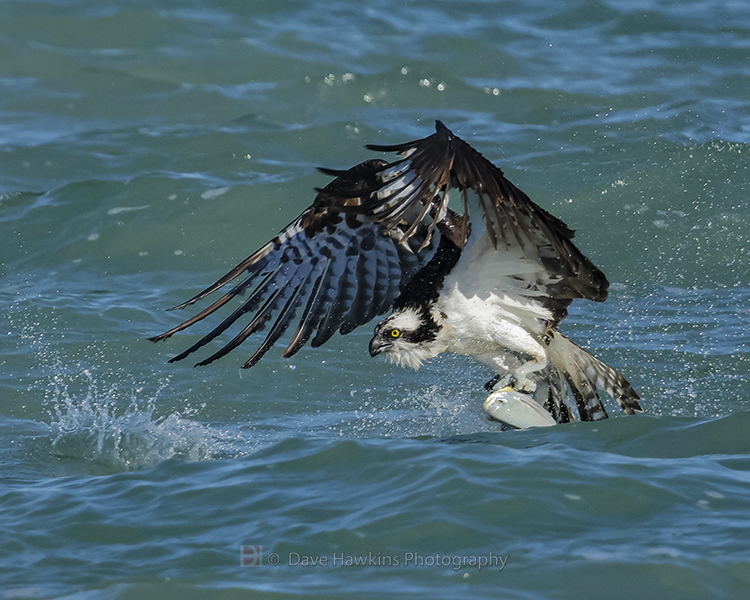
[381,236]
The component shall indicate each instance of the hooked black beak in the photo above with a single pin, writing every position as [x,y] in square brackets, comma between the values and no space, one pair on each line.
[377,346]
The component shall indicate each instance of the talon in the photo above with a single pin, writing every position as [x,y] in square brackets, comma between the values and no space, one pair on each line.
[490,385]
[522,384]
[517,384]
[511,383]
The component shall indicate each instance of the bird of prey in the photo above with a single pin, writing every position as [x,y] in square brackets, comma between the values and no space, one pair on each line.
[381,236]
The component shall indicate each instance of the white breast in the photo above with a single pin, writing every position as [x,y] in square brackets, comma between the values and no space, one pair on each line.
[489,298]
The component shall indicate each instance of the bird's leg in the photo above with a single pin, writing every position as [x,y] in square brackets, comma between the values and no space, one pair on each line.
[518,380]
[528,348]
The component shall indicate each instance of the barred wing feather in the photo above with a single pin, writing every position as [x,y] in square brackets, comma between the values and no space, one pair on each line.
[340,268]
[433,166]
[348,256]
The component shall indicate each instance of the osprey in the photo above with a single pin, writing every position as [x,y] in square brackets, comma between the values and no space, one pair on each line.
[381,236]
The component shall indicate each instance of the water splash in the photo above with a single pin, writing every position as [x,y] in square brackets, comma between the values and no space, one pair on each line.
[92,424]
[438,410]
[102,414]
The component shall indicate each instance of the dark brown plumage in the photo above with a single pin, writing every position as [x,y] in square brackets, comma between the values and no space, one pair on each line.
[382,235]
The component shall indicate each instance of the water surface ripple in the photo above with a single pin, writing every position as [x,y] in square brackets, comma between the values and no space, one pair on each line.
[147,147]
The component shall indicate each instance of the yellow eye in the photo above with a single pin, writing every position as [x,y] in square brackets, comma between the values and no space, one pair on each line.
[395,333]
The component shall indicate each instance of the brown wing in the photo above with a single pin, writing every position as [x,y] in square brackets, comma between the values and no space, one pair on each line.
[338,267]
[431,167]
[349,255]
[444,161]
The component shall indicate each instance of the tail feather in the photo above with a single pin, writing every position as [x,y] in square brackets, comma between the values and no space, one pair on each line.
[584,373]
[556,397]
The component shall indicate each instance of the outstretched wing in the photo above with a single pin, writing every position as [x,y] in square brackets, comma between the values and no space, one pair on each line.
[433,166]
[342,268]
[348,256]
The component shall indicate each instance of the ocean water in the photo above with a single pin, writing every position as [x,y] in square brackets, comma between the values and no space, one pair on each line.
[146,147]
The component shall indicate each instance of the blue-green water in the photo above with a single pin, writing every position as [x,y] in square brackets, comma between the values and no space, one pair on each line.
[146,147]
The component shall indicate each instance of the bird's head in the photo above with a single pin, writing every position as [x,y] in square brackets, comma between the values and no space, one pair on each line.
[407,337]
